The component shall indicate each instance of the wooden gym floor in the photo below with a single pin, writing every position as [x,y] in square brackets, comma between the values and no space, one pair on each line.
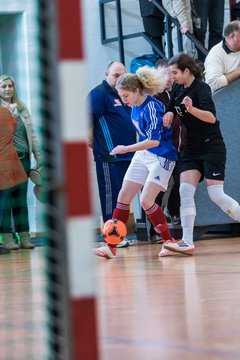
[173,308]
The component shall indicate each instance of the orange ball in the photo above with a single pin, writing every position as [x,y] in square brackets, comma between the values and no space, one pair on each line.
[113,231]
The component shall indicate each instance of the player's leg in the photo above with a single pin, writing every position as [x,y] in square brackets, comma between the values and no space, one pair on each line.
[134,180]
[188,185]
[154,211]
[215,173]
[160,171]
[155,236]
[132,183]
[226,203]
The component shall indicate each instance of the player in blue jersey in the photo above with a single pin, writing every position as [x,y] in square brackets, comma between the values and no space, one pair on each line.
[155,155]
[111,125]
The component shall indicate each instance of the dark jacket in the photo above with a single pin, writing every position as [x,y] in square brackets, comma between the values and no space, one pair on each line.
[112,123]
[148,9]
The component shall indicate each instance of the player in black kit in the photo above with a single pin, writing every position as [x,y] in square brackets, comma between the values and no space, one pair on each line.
[205,153]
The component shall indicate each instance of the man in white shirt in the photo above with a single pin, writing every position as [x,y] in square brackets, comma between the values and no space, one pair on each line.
[222,64]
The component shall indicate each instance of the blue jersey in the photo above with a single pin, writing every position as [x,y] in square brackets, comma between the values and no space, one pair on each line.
[112,123]
[147,119]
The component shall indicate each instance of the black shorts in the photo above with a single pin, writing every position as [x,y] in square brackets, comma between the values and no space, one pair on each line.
[211,165]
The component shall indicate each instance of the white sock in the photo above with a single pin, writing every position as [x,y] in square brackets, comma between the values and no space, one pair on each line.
[225,202]
[187,211]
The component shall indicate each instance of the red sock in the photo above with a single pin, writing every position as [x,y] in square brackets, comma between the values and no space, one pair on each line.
[121,212]
[158,219]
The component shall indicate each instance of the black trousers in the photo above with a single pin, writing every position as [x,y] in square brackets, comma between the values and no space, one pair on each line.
[211,13]
[154,27]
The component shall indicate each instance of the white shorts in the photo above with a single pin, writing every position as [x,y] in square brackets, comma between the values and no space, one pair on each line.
[146,166]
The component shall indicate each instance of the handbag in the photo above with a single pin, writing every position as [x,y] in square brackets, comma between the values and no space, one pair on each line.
[36,175]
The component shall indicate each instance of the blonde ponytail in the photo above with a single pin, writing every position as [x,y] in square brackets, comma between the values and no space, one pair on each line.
[152,80]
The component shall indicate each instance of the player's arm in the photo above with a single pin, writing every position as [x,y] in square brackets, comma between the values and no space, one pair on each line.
[168,119]
[143,145]
[204,115]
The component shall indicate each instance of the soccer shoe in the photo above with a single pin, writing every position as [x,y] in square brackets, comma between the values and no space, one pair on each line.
[105,251]
[123,243]
[164,251]
[131,242]
[155,239]
[176,220]
[180,247]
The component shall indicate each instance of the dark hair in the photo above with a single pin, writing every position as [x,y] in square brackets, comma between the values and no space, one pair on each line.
[162,63]
[184,61]
[233,26]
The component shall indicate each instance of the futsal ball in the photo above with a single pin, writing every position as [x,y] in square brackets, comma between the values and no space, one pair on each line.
[113,231]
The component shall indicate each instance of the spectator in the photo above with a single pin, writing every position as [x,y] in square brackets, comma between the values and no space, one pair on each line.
[12,172]
[154,158]
[222,64]
[153,23]
[234,10]
[211,13]
[26,143]
[182,11]
[111,125]
[205,152]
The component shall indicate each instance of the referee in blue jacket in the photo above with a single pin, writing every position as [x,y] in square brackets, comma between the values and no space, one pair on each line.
[111,126]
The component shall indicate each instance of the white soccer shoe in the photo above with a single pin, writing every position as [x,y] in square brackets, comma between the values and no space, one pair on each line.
[181,247]
[106,251]
[164,251]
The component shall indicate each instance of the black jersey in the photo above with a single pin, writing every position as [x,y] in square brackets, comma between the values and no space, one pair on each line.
[201,136]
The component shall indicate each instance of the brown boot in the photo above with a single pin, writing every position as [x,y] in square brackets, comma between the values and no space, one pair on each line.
[25,240]
[9,242]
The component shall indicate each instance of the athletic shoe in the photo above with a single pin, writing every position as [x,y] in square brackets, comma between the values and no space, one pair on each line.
[105,251]
[176,220]
[164,251]
[180,247]
[131,242]
[123,243]
[172,219]
[156,239]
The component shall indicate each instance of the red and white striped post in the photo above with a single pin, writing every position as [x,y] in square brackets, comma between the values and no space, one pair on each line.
[79,228]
